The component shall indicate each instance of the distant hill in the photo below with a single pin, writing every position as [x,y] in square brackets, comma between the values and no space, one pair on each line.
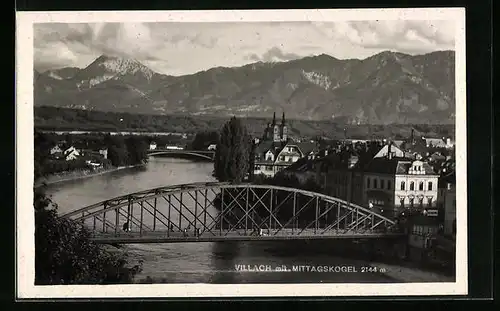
[386,88]
[65,119]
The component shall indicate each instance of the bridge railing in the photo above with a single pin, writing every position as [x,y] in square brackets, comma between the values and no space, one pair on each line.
[224,209]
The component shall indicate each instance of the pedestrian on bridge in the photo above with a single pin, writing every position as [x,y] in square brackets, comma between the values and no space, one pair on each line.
[126,227]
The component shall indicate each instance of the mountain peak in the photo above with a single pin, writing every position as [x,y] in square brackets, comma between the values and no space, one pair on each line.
[118,66]
[387,87]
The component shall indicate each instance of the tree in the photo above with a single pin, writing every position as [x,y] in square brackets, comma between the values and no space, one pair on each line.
[64,253]
[117,150]
[137,150]
[43,143]
[204,139]
[232,156]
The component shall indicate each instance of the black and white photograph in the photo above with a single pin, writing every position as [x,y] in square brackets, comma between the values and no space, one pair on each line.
[285,152]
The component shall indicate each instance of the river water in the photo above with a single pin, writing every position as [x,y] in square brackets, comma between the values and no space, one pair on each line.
[219,262]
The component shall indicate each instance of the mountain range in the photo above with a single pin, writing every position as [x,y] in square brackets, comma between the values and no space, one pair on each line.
[388,87]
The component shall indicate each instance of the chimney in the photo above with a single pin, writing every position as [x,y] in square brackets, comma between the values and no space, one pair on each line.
[389,153]
[412,136]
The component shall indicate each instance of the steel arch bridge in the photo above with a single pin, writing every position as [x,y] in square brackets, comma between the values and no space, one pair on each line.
[202,154]
[208,212]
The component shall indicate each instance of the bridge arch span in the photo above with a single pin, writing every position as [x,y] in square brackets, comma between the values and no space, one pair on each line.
[205,156]
[226,211]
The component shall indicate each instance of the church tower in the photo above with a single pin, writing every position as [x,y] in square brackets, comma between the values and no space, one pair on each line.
[284,129]
[276,130]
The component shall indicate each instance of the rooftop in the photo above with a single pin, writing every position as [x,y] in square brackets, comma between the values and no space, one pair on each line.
[396,165]
[384,165]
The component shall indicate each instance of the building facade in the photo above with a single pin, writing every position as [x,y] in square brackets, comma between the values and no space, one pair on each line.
[271,157]
[276,151]
[449,205]
[394,184]
[276,132]
[416,185]
[395,151]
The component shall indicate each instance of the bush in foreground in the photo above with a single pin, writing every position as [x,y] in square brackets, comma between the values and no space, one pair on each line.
[64,253]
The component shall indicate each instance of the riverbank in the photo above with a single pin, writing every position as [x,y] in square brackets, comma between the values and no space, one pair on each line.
[75,175]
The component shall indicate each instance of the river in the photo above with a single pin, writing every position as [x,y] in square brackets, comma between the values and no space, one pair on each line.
[208,262]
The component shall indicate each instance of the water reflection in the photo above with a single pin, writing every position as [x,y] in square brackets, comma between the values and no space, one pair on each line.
[224,258]
[202,262]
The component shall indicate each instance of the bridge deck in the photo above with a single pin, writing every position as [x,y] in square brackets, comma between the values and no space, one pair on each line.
[239,235]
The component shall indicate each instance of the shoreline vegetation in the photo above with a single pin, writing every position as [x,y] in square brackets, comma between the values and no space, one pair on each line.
[78,174]
[131,152]
[67,119]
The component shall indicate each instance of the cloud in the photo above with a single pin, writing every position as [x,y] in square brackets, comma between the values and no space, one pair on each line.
[403,36]
[273,55]
[185,48]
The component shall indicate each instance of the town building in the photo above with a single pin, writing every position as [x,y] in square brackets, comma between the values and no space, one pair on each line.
[423,231]
[276,151]
[152,145]
[170,147]
[276,132]
[103,152]
[439,142]
[56,149]
[392,184]
[416,185]
[337,174]
[395,151]
[448,203]
[271,157]
[71,154]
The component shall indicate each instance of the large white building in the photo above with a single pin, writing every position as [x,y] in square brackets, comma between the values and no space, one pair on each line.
[416,185]
[393,184]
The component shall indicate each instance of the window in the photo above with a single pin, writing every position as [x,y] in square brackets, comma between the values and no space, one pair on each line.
[282,158]
[429,185]
[402,202]
[368,183]
[412,186]
[403,185]
[429,202]
[411,202]
[421,202]
[375,183]
[421,186]
[388,185]
[382,186]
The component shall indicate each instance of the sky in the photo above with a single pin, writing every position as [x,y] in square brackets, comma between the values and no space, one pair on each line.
[177,48]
